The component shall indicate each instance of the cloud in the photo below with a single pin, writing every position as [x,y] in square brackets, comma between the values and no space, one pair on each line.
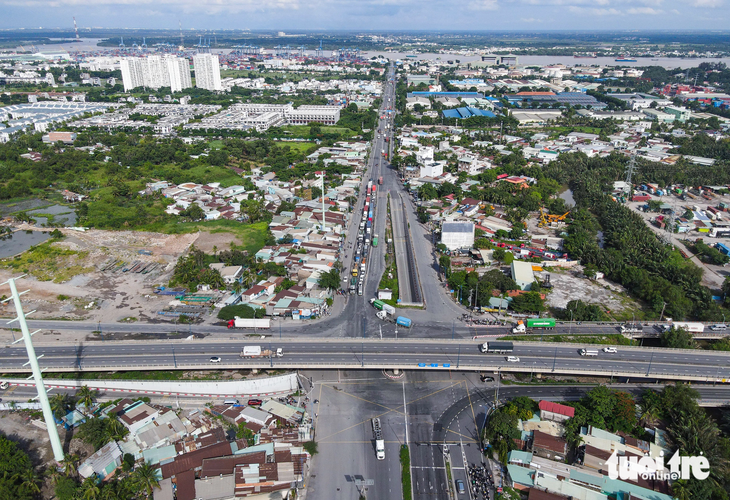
[530,20]
[594,12]
[205,6]
[484,5]
[645,10]
[711,4]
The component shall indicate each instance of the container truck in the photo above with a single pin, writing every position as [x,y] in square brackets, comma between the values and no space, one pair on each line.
[547,323]
[250,323]
[497,347]
[379,441]
[255,351]
[382,306]
[403,321]
[690,327]
[631,328]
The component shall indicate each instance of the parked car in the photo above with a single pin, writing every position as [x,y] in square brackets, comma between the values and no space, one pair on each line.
[255,402]
[215,359]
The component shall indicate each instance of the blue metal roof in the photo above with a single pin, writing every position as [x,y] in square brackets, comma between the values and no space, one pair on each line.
[467,112]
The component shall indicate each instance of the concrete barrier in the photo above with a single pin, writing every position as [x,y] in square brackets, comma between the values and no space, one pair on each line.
[265,386]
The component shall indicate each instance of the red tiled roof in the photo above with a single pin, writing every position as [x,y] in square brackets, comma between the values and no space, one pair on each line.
[568,411]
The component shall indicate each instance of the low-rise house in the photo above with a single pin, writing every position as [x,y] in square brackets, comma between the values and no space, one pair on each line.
[102,463]
[547,446]
[555,411]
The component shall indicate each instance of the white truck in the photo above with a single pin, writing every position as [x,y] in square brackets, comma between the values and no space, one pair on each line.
[691,327]
[255,351]
[249,323]
[379,441]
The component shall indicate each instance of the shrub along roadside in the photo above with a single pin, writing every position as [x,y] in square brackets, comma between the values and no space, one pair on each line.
[405,462]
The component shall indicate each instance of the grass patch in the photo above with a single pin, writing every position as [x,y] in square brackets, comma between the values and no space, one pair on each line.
[304,147]
[48,263]
[614,339]
[405,462]
[303,130]
[216,144]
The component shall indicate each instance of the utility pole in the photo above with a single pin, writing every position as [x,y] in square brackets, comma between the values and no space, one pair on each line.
[37,377]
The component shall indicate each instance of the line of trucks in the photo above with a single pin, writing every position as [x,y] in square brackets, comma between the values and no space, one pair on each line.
[386,312]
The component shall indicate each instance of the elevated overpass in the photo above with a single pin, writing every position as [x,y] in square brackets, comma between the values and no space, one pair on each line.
[412,354]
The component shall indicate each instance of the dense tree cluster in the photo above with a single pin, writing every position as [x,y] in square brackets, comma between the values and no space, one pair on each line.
[631,253]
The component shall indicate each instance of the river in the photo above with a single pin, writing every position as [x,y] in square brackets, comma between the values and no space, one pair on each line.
[666,62]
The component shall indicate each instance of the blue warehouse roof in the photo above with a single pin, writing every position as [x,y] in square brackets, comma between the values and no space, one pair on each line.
[467,112]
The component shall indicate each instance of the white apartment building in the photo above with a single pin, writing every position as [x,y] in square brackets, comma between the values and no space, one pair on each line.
[179,71]
[326,115]
[155,72]
[432,169]
[207,72]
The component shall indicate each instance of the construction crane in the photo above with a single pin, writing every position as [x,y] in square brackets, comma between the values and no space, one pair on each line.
[121,42]
[182,43]
[144,43]
[76,29]
[546,219]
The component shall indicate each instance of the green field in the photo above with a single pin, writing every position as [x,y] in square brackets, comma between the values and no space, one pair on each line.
[301,146]
[216,144]
[303,130]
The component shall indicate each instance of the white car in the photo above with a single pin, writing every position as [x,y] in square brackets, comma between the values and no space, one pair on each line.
[215,359]
[612,350]
[513,359]
[715,328]
[4,385]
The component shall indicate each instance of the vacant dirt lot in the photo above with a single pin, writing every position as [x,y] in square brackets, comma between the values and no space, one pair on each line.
[570,284]
[108,294]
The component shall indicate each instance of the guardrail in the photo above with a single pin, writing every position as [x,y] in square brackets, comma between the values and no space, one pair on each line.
[648,374]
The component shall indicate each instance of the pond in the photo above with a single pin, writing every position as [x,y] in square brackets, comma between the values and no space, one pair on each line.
[20,241]
[61,215]
[567,195]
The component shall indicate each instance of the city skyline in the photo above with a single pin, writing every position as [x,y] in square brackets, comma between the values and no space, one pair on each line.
[386,15]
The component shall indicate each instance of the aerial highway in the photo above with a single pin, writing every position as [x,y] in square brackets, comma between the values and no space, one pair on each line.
[418,354]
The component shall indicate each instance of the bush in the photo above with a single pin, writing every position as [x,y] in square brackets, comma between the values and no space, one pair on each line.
[405,462]
[310,447]
[241,310]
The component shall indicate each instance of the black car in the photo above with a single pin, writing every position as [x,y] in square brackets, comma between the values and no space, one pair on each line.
[486,378]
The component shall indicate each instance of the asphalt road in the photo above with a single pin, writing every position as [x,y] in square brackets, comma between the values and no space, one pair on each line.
[406,354]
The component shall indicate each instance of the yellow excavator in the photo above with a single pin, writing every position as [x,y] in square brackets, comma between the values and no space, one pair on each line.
[547,219]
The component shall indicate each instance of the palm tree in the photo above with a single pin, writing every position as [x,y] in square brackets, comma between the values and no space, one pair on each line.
[681,490]
[115,430]
[69,465]
[59,405]
[145,478]
[90,488]
[86,395]
[30,481]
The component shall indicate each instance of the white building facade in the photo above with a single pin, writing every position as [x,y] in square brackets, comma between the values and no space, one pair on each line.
[207,72]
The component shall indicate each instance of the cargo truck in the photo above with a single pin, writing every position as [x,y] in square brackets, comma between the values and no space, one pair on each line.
[632,328]
[249,323]
[379,441]
[382,306]
[690,327]
[403,321]
[255,351]
[546,323]
[589,352]
[497,347]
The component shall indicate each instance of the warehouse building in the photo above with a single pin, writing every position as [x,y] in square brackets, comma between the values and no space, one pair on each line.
[522,274]
[456,235]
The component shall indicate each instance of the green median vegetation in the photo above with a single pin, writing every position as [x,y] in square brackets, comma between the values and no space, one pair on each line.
[405,462]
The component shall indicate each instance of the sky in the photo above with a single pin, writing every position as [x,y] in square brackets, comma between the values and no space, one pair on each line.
[371,14]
